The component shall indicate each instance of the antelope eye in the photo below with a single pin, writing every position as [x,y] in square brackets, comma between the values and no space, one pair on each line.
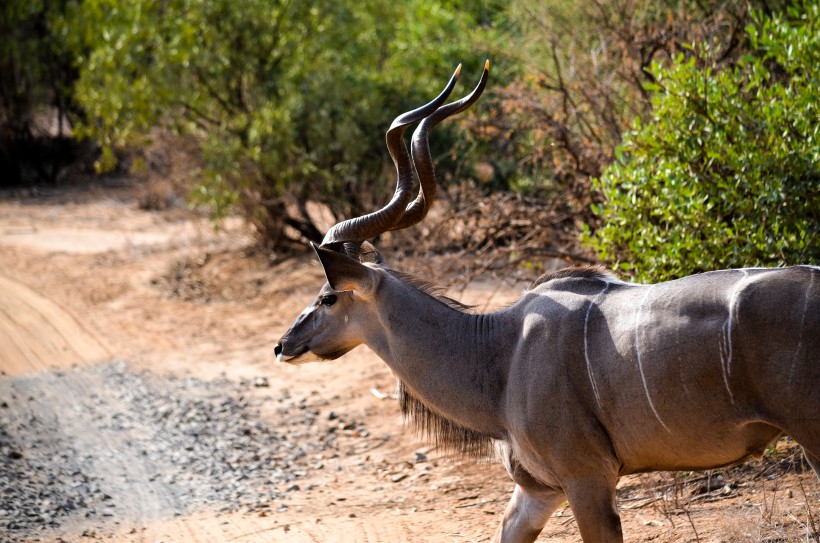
[328,300]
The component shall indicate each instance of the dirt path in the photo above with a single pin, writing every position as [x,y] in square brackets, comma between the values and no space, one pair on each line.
[139,401]
[35,332]
[121,340]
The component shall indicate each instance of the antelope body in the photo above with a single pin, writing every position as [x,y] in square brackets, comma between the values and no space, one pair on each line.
[585,378]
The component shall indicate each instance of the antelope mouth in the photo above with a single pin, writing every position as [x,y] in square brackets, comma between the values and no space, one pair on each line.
[296,358]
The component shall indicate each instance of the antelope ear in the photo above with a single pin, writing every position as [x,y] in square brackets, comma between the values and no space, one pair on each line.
[370,254]
[345,273]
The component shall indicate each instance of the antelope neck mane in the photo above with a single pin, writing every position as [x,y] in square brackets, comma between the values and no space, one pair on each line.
[431,289]
[437,292]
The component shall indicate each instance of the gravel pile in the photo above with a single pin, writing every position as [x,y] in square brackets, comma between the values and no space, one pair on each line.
[111,441]
[40,489]
[209,440]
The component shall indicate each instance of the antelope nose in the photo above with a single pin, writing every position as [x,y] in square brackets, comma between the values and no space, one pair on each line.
[278,349]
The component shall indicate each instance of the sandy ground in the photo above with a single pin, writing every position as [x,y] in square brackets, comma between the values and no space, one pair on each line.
[96,295]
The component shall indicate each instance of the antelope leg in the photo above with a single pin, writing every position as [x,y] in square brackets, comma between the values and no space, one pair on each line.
[807,435]
[593,503]
[526,514]
[814,461]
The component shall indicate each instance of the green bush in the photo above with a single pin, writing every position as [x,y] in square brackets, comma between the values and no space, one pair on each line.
[727,171]
[289,101]
[579,70]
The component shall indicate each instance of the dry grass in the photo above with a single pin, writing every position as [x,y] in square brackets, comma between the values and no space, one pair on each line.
[773,500]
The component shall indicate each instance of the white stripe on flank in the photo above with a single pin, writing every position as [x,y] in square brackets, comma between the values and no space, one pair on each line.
[802,327]
[726,335]
[592,303]
[638,323]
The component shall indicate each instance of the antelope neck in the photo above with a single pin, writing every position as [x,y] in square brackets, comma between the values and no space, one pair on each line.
[448,359]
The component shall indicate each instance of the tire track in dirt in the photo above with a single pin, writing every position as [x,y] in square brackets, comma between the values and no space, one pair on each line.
[60,424]
[103,449]
[37,334]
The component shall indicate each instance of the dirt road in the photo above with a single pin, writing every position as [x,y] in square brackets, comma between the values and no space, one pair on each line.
[139,401]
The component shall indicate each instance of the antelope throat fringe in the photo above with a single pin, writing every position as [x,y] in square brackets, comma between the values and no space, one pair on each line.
[446,434]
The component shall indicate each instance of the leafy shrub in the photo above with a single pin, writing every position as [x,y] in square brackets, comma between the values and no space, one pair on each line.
[580,70]
[289,101]
[726,172]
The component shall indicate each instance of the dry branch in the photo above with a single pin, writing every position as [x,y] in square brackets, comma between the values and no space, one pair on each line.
[501,233]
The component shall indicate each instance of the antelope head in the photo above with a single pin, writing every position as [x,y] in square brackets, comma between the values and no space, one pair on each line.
[338,318]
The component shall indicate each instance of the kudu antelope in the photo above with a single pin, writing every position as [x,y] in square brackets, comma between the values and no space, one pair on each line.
[586,377]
